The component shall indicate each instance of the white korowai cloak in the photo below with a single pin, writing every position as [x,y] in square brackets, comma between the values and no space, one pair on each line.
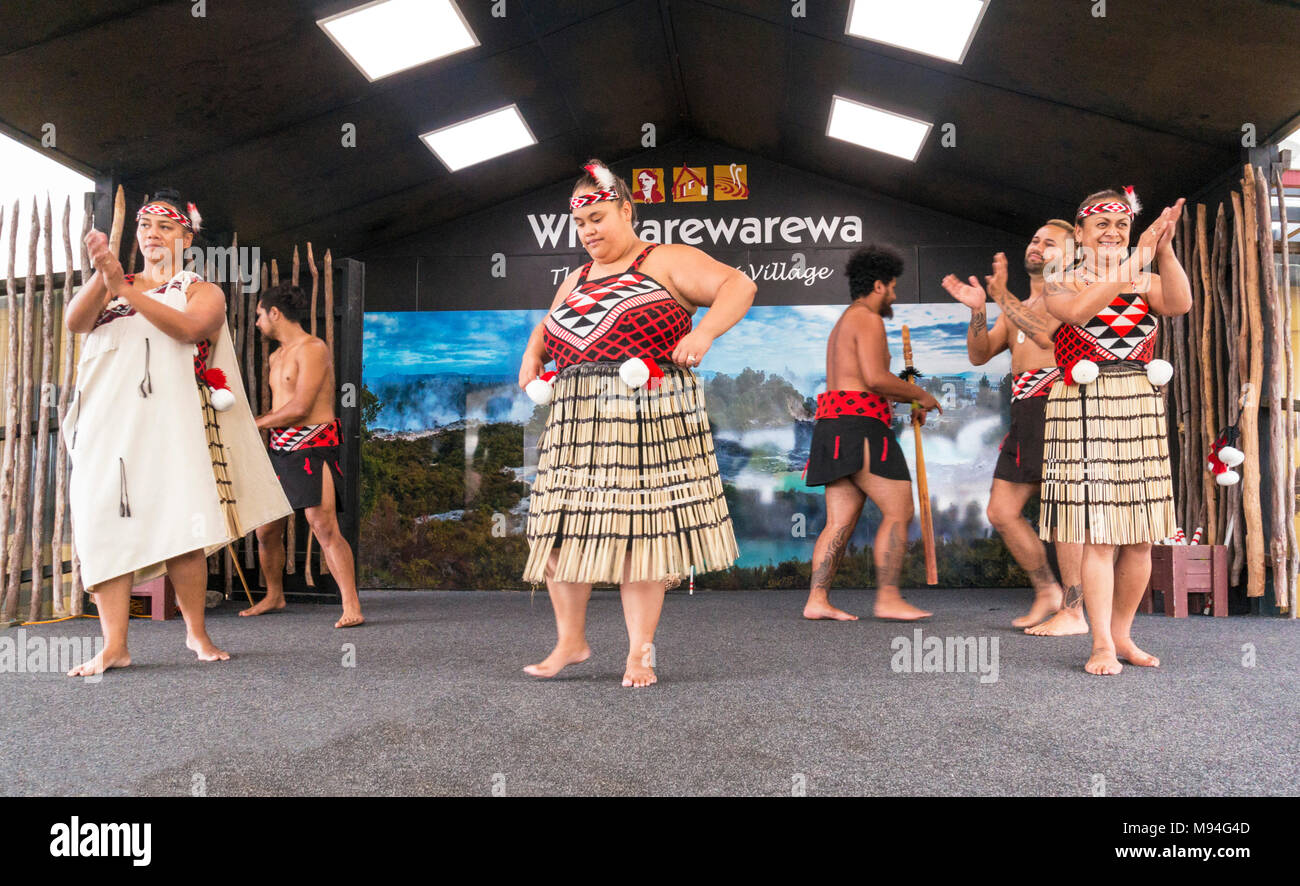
[142,487]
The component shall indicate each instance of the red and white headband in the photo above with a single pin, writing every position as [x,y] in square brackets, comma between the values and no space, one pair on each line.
[193,221]
[1133,207]
[608,187]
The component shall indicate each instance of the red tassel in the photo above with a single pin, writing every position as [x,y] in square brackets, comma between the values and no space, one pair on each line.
[215,379]
[837,446]
[884,450]
[656,374]
[804,475]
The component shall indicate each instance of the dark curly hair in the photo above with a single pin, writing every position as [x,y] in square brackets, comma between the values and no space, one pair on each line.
[869,264]
[293,303]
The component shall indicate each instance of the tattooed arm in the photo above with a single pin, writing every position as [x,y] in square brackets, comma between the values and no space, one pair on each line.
[982,343]
[1037,326]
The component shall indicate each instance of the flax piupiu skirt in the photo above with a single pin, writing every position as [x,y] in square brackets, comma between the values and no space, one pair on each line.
[627,471]
[1106,472]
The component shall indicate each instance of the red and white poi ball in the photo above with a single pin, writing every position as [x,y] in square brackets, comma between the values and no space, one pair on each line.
[1085,372]
[219,392]
[541,389]
[1159,372]
[639,372]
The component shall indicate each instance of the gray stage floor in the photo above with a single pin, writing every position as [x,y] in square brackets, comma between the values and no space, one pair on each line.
[752,700]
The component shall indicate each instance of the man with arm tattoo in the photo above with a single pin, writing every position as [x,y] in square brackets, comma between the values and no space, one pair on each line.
[854,452]
[1026,329]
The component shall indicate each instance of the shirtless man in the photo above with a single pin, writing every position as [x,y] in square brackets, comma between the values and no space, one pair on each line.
[304,448]
[854,453]
[1026,328]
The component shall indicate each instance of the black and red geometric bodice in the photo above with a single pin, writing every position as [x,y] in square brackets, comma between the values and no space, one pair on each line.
[615,318]
[1123,330]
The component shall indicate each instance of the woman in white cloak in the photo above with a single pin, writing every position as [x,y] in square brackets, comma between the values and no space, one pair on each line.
[160,477]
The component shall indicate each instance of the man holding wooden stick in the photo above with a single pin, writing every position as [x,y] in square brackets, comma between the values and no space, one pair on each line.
[1026,329]
[854,452]
[305,437]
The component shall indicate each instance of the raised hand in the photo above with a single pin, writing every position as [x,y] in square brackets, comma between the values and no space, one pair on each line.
[103,259]
[970,294]
[1171,229]
[997,281]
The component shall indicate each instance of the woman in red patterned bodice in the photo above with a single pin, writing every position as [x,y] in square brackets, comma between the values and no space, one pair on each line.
[627,490]
[1107,480]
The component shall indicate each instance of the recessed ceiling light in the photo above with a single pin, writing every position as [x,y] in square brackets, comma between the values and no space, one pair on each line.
[388,36]
[876,129]
[941,28]
[480,138]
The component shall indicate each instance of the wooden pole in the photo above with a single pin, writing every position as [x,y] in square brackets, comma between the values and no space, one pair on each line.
[291,530]
[135,247]
[1293,569]
[11,391]
[46,400]
[315,285]
[18,542]
[922,484]
[1209,420]
[66,369]
[249,303]
[78,598]
[1242,372]
[119,223]
[1277,542]
[1250,420]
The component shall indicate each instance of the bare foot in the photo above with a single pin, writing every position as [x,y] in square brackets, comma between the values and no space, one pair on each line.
[1127,650]
[558,660]
[1103,662]
[266,604]
[102,662]
[1045,603]
[350,620]
[205,649]
[638,675]
[898,610]
[826,611]
[1063,624]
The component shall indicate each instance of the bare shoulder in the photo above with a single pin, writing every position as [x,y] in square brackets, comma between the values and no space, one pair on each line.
[203,288]
[315,349]
[864,319]
[566,286]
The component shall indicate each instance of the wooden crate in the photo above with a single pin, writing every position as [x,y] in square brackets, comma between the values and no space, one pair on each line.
[1180,570]
[156,598]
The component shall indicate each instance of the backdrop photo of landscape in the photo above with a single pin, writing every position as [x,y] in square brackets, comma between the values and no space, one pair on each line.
[449,440]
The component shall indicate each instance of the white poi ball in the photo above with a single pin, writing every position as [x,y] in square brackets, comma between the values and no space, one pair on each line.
[539,391]
[634,372]
[1227,478]
[1231,456]
[222,399]
[1085,371]
[1159,372]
